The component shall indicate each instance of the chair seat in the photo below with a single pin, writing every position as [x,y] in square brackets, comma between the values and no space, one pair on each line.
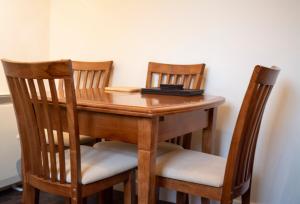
[100,163]
[131,149]
[83,139]
[192,166]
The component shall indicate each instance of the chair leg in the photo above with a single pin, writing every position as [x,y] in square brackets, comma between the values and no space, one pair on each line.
[205,200]
[37,196]
[77,198]
[101,197]
[129,189]
[246,197]
[30,194]
[84,200]
[227,202]
[182,198]
[187,141]
[67,200]
[157,189]
[187,199]
[76,201]
[106,196]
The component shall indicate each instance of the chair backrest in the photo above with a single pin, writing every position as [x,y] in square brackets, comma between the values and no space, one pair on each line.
[239,167]
[90,74]
[190,76]
[40,112]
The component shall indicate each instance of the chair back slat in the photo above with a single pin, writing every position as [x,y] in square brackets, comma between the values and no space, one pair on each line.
[189,75]
[39,118]
[167,79]
[40,114]
[242,150]
[187,82]
[160,77]
[31,128]
[84,80]
[197,81]
[90,74]
[73,132]
[59,132]
[244,172]
[49,129]
[98,79]
[102,79]
[78,79]
[175,80]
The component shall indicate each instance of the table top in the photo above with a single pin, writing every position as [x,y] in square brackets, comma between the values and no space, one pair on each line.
[137,104]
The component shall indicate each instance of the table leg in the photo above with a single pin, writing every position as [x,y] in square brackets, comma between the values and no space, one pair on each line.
[209,132]
[147,144]
[208,138]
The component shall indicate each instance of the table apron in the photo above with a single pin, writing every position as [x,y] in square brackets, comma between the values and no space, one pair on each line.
[125,128]
[178,124]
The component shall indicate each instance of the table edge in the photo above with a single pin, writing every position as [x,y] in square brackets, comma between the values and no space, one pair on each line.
[149,112]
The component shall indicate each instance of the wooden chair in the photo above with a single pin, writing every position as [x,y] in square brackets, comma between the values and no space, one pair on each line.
[87,75]
[90,74]
[212,176]
[76,172]
[191,76]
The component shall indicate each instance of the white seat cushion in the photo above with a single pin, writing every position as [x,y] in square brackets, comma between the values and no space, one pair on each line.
[131,149]
[83,139]
[100,163]
[166,147]
[192,166]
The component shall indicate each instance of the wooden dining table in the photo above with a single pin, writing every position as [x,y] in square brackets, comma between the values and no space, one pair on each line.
[146,120]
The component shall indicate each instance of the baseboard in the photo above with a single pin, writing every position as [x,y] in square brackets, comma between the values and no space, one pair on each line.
[6,183]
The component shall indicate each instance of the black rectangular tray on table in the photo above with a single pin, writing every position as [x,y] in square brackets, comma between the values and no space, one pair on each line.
[173,92]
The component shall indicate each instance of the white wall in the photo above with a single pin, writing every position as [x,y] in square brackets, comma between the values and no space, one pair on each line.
[229,36]
[24,30]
